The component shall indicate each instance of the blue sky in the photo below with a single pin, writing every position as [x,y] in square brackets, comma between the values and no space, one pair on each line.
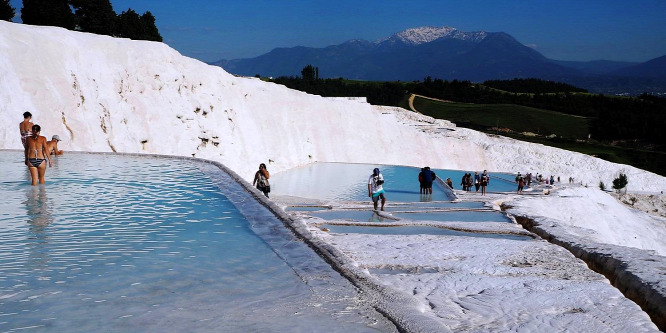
[580,30]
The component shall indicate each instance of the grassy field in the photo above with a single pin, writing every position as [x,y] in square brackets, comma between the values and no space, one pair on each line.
[514,117]
[484,117]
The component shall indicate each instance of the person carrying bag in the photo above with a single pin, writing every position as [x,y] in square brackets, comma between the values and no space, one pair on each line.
[261,180]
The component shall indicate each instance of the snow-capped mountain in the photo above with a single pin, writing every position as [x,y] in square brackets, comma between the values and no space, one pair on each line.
[447,53]
[422,35]
[412,54]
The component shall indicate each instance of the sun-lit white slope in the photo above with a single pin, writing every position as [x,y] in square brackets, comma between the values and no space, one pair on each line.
[589,213]
[109,94]
[102,94]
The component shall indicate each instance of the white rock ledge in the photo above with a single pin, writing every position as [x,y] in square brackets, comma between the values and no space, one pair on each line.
[639,274]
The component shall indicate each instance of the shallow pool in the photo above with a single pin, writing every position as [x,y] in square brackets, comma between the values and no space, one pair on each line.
[453,216]
[348,182]
[441,205]
[350,215]
[124,243]
[416,230]
[305,208]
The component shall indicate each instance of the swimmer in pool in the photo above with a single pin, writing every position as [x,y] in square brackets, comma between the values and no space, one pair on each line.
[52,146]
[35,155]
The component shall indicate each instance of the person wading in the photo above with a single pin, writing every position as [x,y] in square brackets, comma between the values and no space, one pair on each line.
[35,155]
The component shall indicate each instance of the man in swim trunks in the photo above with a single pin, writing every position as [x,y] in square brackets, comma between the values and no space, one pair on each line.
[26,126]
[52,146]
[375,188]
[35,154]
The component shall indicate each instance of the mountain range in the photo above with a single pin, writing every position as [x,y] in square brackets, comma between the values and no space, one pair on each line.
[448,53]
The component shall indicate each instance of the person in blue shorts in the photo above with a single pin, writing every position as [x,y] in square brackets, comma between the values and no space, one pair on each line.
[375,188]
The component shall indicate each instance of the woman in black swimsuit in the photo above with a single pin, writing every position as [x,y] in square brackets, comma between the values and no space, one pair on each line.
[35,148]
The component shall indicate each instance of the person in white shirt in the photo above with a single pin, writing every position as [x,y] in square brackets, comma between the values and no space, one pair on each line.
[375,189]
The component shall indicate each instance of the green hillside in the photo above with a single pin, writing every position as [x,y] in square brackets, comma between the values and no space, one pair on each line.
[570,132]
[516,118]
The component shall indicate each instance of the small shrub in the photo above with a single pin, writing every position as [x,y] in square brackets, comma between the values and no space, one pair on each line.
[620,182]
[602,186]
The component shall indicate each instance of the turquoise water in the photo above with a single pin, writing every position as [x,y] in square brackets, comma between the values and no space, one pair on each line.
[441,205]
[305,208]
[348,182]
[123,243]
[350,215]
[454,216]
[416,230]
[499,182]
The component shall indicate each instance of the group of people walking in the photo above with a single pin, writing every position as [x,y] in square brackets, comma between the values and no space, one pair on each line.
[37,149]
[478,181]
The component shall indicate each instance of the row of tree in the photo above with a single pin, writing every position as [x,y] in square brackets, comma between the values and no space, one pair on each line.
[532,86]
[7,12]
[94,16]
[640,118]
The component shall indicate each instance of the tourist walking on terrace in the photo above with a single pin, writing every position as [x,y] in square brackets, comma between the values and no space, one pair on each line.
[521,183]
[421,190]
[375,188]
[26,127]
[35,154]
[261,179]
[485,179]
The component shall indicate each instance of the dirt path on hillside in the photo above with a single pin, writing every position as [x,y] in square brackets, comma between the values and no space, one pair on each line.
[411,101]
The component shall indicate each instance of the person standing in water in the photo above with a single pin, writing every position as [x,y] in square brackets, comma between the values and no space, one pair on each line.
[35,154]
[428,178]
[261,179]
[26,127]
[375,188]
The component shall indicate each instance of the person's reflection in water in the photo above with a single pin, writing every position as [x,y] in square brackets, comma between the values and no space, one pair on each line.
[376,218]
[40,215]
